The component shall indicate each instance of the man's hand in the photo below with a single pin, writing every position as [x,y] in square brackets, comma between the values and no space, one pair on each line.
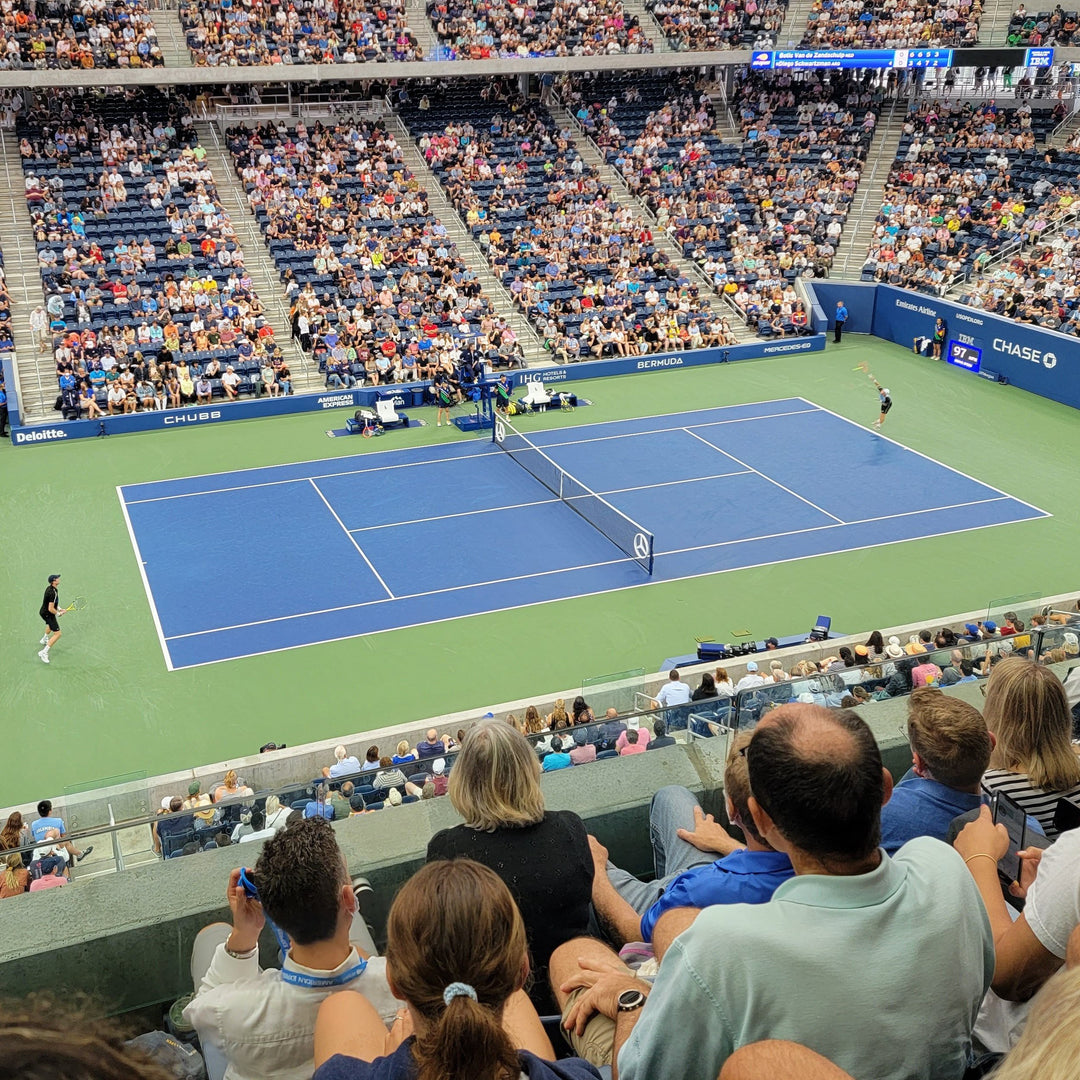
[1030,858]
[982,837]
[709,835]
[599,856]
[248,917]
[603,982]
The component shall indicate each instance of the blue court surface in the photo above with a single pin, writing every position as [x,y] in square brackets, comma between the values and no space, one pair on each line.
[241,563]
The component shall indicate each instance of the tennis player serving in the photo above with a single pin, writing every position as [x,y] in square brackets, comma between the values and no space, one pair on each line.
[886,403]
[50,613]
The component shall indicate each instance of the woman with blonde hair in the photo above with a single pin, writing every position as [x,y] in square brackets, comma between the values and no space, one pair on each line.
[558,714]
[542,855]
[15,834]
[230,787]
[276,814]
[456,955]
[1034,760]
[15,879]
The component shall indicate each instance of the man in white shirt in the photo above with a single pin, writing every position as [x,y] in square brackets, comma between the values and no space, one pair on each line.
[263,1021]
[674,691]
[751,679]
[343,764]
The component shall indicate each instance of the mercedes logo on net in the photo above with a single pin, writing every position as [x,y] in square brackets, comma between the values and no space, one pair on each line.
[641,545]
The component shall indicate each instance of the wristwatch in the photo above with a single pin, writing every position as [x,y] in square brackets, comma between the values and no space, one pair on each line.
[630,1000]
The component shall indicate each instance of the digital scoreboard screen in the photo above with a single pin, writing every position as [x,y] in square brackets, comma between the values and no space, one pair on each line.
[968,357]
[901,59]
[838,59]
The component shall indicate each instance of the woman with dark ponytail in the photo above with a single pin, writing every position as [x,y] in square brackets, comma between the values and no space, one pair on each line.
[456,955]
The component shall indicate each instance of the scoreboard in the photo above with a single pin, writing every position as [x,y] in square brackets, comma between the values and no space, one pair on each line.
[901,59]
[968,357]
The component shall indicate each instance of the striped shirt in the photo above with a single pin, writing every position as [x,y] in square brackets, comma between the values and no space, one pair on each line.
[1037,802]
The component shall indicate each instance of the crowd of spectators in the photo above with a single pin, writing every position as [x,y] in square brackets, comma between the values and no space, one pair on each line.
[890,24]
[222,33]
[379,292]
[1040,282]
[581,264]
[892,891]
[1035,28]
[90,34]
[963,184]
[756,215]
[147,301]
[478,29]
[697,25]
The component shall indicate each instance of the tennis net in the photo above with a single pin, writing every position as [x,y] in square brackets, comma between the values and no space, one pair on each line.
[626,534]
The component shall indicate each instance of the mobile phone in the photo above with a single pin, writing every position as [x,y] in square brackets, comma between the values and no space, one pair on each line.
[1011,814]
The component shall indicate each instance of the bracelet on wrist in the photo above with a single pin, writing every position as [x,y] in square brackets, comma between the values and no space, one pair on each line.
[241,954]
[981,855]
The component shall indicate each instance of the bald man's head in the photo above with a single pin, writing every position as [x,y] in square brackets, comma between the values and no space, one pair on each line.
[817,773]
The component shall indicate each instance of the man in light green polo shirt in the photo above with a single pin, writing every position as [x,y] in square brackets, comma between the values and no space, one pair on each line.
[878,964]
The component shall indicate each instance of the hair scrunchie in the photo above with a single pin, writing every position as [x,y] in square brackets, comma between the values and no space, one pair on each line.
[458,989]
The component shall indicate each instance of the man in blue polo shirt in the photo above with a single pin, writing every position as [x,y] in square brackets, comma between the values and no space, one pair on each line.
[686,874]
[840,319]
[950,749]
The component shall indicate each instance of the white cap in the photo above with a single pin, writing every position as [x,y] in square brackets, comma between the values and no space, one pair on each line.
[885,391]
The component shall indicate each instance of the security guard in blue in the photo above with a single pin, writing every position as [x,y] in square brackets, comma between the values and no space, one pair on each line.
[841,318]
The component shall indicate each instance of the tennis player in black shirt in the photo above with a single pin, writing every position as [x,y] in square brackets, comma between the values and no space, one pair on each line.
[50,612]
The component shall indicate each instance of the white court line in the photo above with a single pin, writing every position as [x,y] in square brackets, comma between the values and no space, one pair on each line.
[721,450]
[927,457]
[545,446]
[835,525]
[352,540]
[545,502]
[305,479]
[425,446]
[599,592]
[410,596]
[146,581]
[586,566]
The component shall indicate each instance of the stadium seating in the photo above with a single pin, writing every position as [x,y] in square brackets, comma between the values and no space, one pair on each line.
[478,29]
[89,35]
[755,215]
[222,33]
[691,25]
[962,186]
[387,296]
[1034,28]
[581,264]
[885,24]
[138,259]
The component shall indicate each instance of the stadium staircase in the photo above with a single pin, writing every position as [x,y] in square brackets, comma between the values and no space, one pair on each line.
[37,373]
[622,195]
[855,240]
[994,21]
[170,37]
[264,274]
[794,25]
[441,208]
[420,25]
[649,24]
[1061,135]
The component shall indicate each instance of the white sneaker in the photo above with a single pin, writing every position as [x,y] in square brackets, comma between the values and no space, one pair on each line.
[43,656]
[44,640]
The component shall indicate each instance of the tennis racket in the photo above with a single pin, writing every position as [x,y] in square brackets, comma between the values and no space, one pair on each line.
[78,604]
[864,367]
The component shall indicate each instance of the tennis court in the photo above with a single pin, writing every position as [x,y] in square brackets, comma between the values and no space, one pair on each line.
[255,561]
